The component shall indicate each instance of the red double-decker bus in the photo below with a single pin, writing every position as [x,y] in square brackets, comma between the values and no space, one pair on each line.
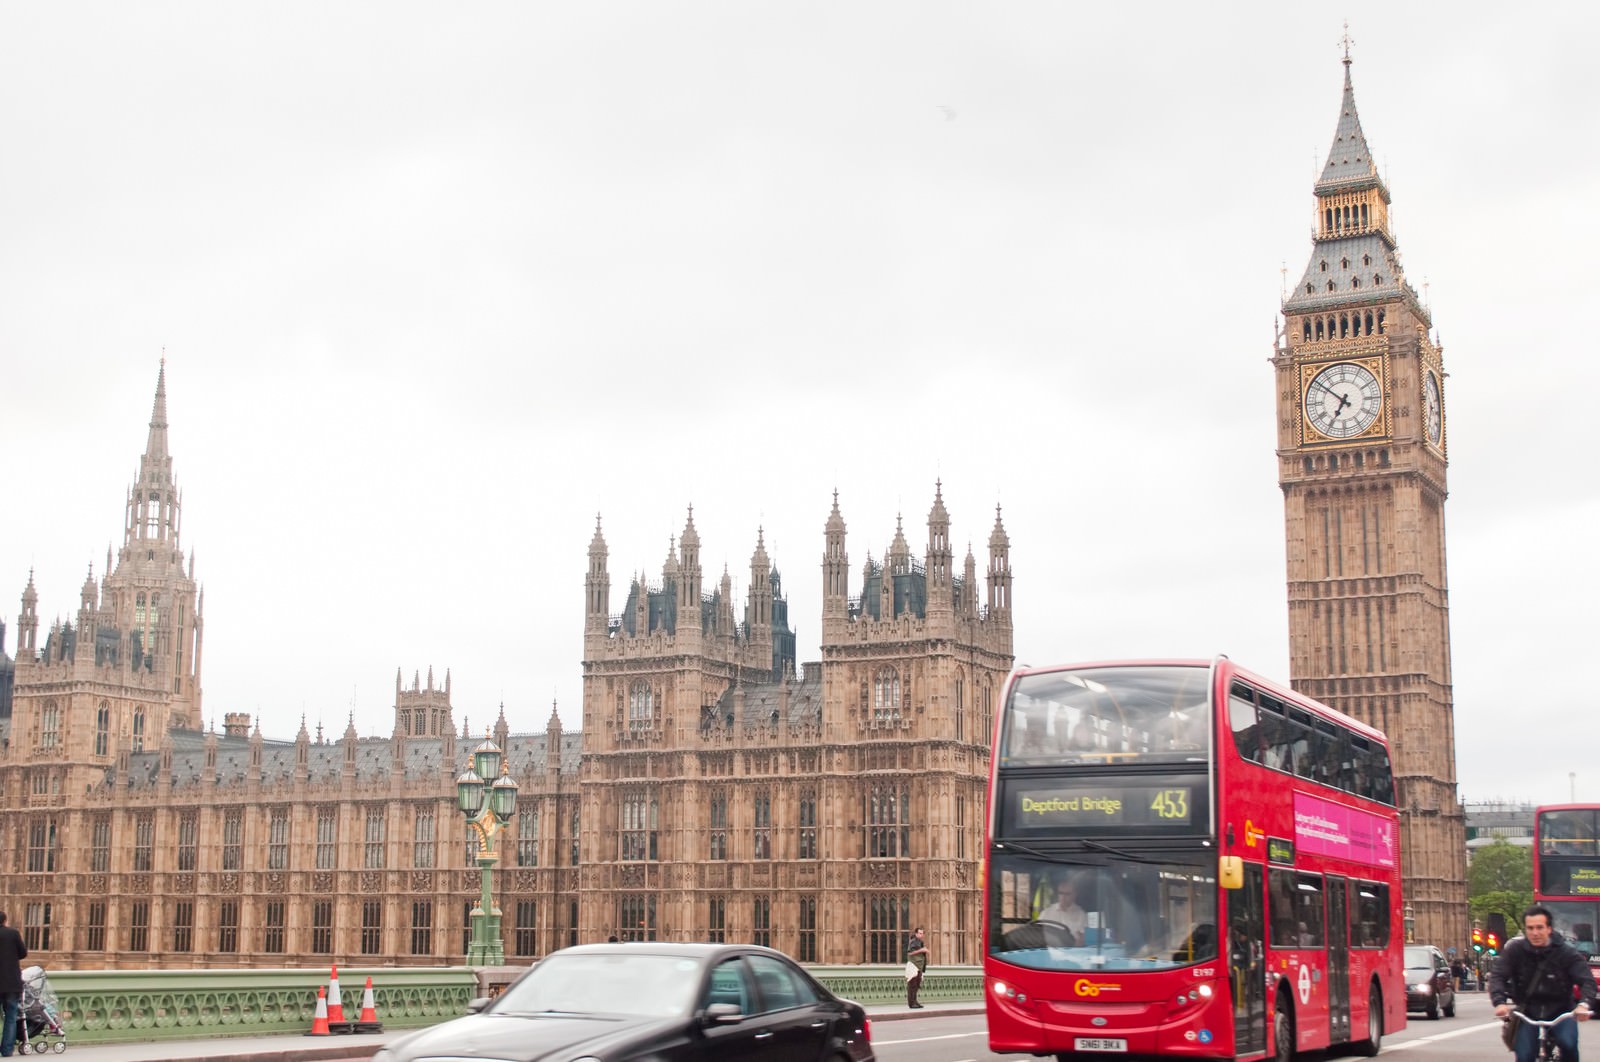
[1186,860]
[1566,871]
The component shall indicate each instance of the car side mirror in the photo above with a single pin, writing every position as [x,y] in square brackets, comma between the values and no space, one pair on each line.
[724,1014]
[478,1004]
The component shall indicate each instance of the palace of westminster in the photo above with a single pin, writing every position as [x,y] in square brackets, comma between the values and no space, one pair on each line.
[717,790]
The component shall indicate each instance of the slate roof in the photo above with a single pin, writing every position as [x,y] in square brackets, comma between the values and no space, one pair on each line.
[1349,159]
[762,704]
[1360,268]
[374,759]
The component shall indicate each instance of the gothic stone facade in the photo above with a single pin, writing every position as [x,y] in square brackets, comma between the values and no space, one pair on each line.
[715,791]
[826,814]
[1362,456]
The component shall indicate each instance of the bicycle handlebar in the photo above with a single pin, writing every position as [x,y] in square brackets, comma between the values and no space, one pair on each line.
[1557,1020]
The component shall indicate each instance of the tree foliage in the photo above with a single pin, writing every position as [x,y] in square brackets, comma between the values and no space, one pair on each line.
[1500,879]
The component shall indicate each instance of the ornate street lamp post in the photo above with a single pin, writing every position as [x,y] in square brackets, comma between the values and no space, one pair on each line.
[1411,924]
[488,808]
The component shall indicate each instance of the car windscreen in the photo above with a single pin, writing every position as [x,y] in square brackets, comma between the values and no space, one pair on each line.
[1419,959]
[635,983]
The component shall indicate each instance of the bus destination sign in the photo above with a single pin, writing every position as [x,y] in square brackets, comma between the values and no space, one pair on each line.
[1104,805]
[1569,877]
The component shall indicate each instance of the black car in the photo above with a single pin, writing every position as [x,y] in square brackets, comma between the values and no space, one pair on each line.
[613,1002]
[1428,984]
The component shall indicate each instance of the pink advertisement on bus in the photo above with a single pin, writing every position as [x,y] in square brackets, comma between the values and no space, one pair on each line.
[1322,827]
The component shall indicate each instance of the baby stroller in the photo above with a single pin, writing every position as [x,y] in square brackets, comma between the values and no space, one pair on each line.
[39,1015]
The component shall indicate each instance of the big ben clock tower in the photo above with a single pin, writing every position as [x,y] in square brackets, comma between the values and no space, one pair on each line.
[1361,460]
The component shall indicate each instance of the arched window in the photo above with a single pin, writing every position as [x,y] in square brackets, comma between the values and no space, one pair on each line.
[641,706]
[886,694]
[102,729]
[888,823]
[138,729]
[50,726]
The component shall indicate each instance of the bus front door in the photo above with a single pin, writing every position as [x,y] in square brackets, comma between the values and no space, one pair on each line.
[1247,968]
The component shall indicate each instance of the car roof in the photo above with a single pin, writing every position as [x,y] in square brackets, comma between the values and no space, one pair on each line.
[667,947]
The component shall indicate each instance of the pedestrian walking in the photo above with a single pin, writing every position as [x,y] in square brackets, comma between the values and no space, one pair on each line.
[12,952]
[916,963]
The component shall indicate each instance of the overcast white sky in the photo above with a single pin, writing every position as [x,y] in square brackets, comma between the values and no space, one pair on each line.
[437,283]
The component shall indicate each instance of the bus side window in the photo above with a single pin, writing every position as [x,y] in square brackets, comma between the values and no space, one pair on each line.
[1309,910]
[1380,777]
[1371,910]
[1305,762]
[1242,717]
[1330,753]
[1361,764]
[1276,737]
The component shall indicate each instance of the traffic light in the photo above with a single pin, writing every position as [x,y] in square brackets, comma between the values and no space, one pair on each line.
[1493,943]
[1477,939]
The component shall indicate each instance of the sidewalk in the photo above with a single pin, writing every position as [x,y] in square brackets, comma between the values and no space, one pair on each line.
[317,1048]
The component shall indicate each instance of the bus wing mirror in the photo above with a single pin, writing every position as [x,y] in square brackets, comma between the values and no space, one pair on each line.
[1230,872]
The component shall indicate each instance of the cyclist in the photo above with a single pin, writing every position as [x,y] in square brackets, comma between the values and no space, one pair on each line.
[1543,973]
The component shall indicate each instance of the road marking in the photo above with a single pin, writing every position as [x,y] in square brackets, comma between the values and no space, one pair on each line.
[1438,1037]
[928,1039]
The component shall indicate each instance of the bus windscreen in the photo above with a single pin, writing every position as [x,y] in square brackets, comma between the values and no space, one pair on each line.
[1149,714]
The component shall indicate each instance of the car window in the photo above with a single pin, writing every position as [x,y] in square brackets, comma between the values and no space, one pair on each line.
[728,985]
[780,988]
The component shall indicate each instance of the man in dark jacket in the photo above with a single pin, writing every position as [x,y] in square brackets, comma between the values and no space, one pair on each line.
[12,952]
[1540,971]
[916,956]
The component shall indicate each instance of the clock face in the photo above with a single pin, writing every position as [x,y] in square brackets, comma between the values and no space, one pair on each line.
[1343,400]
[1432,408]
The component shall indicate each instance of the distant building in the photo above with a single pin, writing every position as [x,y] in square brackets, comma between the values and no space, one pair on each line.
[717,790]
[1489,821]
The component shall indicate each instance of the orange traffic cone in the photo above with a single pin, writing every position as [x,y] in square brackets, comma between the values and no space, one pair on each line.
[337,1022]
[335,1005]
[319,1023]
[368,1022]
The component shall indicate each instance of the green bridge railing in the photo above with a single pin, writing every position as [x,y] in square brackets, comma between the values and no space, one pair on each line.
[113,1006]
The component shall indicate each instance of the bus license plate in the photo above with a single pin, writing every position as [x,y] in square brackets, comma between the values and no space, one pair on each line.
[1099,1043]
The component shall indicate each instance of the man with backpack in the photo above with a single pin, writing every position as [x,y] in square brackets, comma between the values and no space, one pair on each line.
[1543,974]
